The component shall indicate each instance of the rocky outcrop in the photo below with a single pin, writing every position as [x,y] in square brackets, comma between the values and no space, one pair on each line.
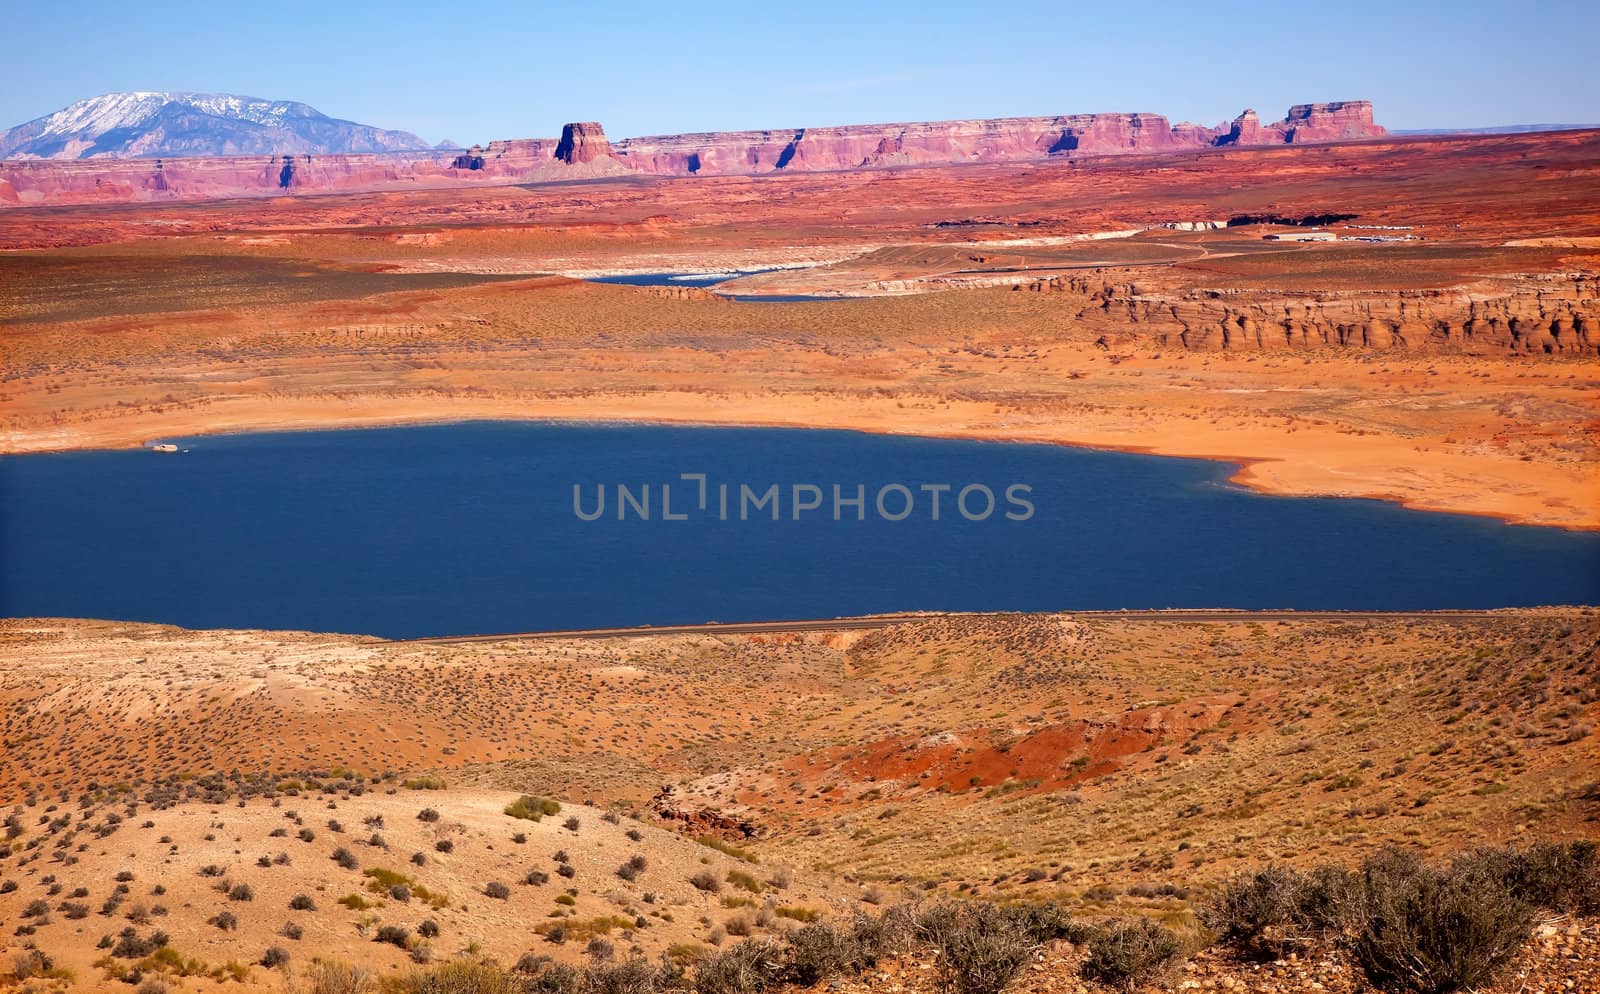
[986,140]
[1348,119]
[1557,315]
[582,142]
[686,293]
[1245,130]
[867,146]
[700,819]
[584,152]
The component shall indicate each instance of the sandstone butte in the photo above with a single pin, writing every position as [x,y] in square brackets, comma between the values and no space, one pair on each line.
[584,152]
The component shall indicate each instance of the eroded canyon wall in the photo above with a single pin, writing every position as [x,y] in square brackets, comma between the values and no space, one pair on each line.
[584,152]
[1554,314]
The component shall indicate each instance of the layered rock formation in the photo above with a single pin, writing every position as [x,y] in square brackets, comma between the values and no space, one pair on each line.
[584,152]
[582,142]
[987,140]
[1333,122]
[1555,314]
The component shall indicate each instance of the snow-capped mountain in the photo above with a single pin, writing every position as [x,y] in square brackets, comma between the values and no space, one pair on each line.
[146,124]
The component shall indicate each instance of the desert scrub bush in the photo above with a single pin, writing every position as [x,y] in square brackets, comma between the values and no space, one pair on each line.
[1434,931]
[241,892]
[582,930]
[1560,876]
[445,846]
[746,968]
[274,957]
[630,870]
[226,921]
[169,961]
[1042,923]
[745,881]
[634,975]
[130,945]
[428,815]
[1131,954]
[980,948]
[425,783]
[334,977]
[302,902]
[394,935]
[32,964]
[536,878]
[496,890]
[707,881]
[456,977]
[532,808]
[385,882]
[291,930]
[345,858]
[727,848]
[889,934]
[819,952]
[1261,914]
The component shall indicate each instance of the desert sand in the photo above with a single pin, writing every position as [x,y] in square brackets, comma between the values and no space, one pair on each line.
[1113,767]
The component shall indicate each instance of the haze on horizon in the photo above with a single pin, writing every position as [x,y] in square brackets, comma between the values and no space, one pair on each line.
[472,73]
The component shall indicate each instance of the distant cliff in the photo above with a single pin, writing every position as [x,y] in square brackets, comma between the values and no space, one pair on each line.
[988,140]
[584,152]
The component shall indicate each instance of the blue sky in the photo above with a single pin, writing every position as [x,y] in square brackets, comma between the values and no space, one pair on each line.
[477,70]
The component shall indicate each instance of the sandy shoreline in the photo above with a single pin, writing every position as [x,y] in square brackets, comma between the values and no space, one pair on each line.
[1300,470]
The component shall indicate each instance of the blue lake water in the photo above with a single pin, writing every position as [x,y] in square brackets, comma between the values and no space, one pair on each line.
[708,280]
[671,279]
[471,528]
